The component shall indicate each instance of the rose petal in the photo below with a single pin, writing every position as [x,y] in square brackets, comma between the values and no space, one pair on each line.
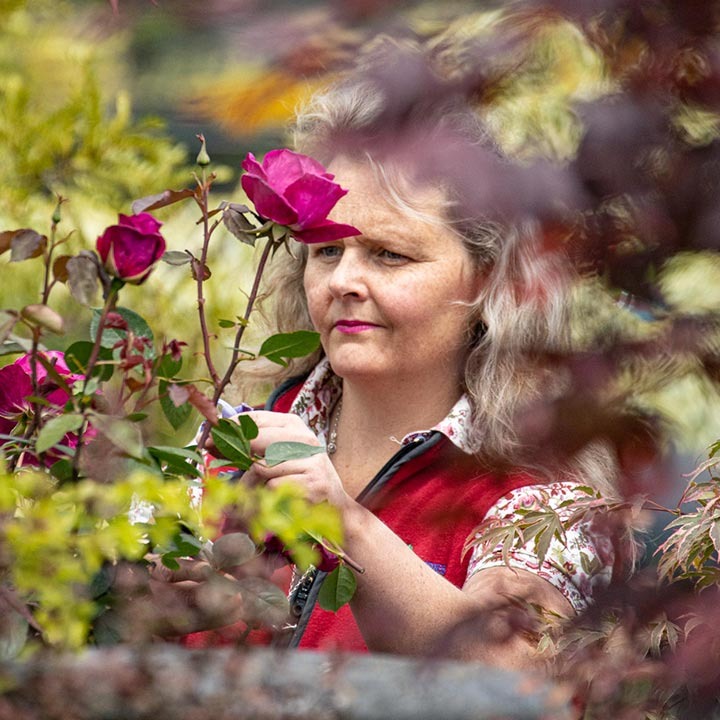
[133,253]
[284,167]
[326,232]
[15,386]
[142,222]
[313,197]
[252,166]
[268,203]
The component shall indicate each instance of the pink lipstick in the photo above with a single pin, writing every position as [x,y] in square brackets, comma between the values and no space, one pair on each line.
[350,327]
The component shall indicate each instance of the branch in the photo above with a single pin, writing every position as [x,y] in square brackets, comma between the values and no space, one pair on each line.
[171,683]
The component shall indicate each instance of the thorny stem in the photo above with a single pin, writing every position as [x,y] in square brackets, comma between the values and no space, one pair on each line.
[110,301]
[220,385]
[200,280]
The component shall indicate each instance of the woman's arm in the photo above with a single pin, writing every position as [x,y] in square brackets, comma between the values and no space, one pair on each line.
[402,605]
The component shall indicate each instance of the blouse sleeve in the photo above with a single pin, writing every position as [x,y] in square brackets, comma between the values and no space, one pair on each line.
[576,565]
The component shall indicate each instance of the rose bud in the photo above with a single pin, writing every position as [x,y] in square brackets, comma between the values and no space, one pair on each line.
[295,191]
[132,248]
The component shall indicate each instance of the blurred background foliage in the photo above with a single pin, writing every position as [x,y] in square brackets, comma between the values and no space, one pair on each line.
[102,107]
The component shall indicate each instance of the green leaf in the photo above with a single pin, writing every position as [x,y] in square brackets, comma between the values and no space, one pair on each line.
[137,417]
[56,429]
[176,459]
[232,443]
[111,336]
[168,367]
[337,589]
[176,414]
[226,323]
[120,432]
[62,470]
[289,345]
[280,452]
[77,357]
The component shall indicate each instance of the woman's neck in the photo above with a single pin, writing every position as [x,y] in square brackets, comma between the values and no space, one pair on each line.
[374,417]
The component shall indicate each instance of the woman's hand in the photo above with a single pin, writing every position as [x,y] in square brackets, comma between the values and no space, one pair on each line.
[315,474]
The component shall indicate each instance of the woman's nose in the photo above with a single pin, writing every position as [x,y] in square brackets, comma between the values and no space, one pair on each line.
[349,277]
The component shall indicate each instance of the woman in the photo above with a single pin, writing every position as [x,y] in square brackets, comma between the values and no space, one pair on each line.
[423,321]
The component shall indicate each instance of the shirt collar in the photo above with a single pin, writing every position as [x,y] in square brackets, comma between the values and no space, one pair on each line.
[322,389]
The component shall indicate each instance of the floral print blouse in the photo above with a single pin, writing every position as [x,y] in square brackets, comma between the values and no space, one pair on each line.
[575,565]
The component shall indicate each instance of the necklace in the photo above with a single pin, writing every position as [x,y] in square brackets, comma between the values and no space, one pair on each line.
[332,439]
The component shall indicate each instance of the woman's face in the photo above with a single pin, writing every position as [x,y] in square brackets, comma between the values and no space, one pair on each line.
[390,304]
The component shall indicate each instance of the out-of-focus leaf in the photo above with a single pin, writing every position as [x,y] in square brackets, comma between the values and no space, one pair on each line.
[13,632]
[26,244]
[56,429]
[231,550]
[280,452]
[289,345]
[44,316]
[176,257]
[82,278]
[263,602]
[153,202]
[121,433]
[59,268]
[202,403]
[8,320]
[337,589]
[176,410]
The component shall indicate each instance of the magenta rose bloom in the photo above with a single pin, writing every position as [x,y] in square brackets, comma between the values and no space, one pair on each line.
[296,191]
[132,248]
[16,387]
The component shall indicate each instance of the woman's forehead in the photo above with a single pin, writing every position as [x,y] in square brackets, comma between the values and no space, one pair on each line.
[388,193]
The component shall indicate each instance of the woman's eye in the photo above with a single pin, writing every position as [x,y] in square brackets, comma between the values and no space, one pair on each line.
[392,256]
[327,251]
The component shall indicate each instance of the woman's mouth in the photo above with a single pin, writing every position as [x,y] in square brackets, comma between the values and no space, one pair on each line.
[350,327]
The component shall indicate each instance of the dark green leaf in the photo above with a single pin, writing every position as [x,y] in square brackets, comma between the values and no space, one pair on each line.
[168,367]
[175,460]
[337,589]
[232,443]
[226,323]
[280,452]
[176,414]
[56,429]
[136,324]
[248,425]
[62,470]
[289,345]
[77,357]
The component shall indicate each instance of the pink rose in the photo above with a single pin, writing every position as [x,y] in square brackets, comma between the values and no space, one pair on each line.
[16,387]
[130,249]
[296,191]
